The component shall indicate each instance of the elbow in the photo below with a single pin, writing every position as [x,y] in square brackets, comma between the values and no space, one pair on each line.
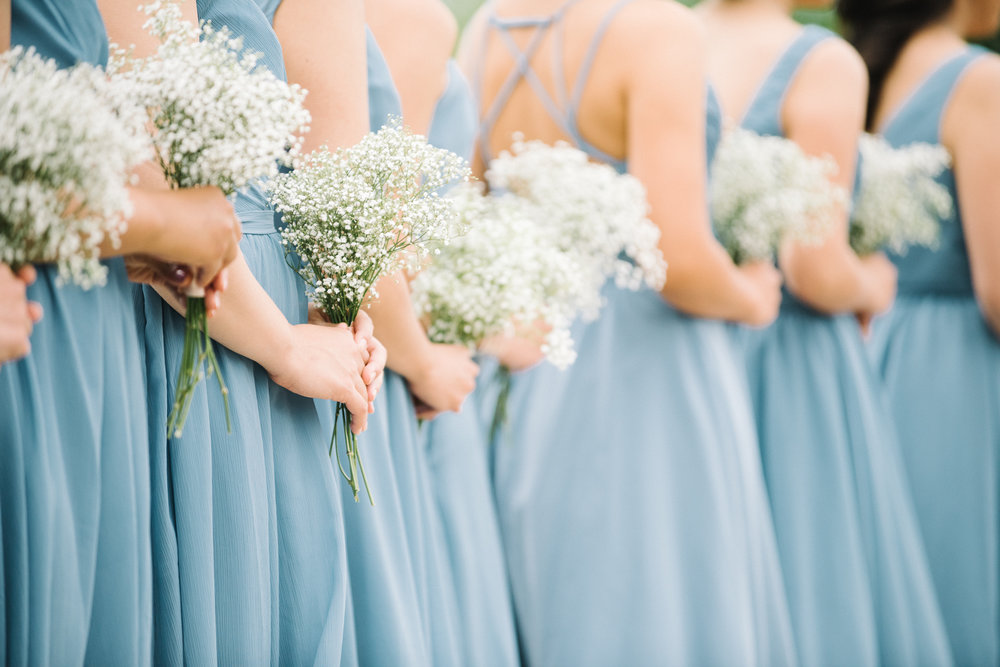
[989,305]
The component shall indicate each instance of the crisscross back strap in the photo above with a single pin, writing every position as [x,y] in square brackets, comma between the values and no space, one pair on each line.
[561,107]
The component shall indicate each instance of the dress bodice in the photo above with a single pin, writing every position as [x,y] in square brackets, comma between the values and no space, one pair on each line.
[68,32]
[454,123]
[383,98]
[945,269]
[245,19]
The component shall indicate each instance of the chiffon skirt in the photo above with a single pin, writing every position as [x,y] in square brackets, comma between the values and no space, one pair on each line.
[856,573]
[74,483]
[941,366]
[631,500]
[405,605]
[457,452]
[248,531]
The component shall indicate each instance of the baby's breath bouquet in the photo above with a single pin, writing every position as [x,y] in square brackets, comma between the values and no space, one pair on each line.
[502,277]
[765,190]
[589,210]
[217,118]
[900,203]
[67,147]
[357,215]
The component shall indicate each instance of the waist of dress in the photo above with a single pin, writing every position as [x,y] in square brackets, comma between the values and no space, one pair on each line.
[259,221]
[915,290]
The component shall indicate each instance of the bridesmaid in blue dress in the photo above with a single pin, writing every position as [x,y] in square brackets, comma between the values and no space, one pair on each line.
[855,569]
[635,533]
[74,480]
[404,606]
[455,444]
[939,348]
[249,541]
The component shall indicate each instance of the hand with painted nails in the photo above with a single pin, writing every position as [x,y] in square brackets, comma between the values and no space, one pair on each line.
[17,315]
[374,372]
[175,277]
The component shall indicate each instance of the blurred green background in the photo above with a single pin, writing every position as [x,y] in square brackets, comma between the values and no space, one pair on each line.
[463,9]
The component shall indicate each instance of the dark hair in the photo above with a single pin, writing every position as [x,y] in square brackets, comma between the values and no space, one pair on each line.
[879,29]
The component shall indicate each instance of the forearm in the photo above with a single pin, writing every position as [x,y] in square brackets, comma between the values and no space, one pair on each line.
[145,227]
[397,327]
[829,277]
[707,284]
[248,322]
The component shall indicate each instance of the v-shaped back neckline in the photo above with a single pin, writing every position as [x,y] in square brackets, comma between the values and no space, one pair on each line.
[915,92]
[772,72]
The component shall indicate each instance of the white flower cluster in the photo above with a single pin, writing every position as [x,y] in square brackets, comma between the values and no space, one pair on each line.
[503,277]
[67,148]
[900,203]
[591,211]
[765,190]
[359,214]
[220,118]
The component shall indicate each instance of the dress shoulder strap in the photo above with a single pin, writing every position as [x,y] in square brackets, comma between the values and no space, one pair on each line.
[763,115]
[929,100]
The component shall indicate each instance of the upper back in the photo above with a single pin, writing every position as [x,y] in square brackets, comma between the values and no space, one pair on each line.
[919,118]
[68,31]
[569,85]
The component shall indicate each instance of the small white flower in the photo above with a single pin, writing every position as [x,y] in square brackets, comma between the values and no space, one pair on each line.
[218,117]
[589,211]
[365,212]
[900,203]
[764,190]
[68,144]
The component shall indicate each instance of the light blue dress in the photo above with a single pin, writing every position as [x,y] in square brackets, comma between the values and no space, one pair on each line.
[855,570]
[457,451]
[74,474]
[941,365]
[629,489]
[404,604]
[248,532]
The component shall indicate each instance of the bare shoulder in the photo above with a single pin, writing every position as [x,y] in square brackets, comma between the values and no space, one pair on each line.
[658,24]
[836,67]
[979,87]
[421,22]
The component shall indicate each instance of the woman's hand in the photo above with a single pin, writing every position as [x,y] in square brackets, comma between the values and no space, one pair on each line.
[446,375]
[881,279]
[515,353]
[195,227]
[763,282]
[17,315]
[175,277]
[326,361]
[374,372]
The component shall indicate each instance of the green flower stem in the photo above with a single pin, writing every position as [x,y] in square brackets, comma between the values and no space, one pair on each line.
[198,351]
[356,469]
[500,415]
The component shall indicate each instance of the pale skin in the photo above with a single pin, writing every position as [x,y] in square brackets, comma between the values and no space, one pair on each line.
[823,113]
[313,360]
[637,103]
[416,37]
[968,131]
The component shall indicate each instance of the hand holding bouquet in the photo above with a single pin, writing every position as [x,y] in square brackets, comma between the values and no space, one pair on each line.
[67,149]
[218,119]
[356,215]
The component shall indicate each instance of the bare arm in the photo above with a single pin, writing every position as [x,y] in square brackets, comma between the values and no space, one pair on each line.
[324,48]
[416,38]
[970,132]
[666,149]
[4,25]
[824,114]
